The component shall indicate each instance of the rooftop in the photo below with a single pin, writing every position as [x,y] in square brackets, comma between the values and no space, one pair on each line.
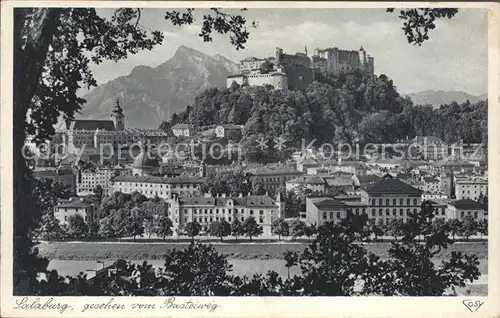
[154,179]
[247,201]
[73,203]
[284,170]
[467,204]
[390,185]
[329,203]
[368,178]
[480,181]
[88,124]
[307,180]
[339,182]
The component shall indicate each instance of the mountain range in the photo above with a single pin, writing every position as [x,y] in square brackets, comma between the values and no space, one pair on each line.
[150,95]
[439,97]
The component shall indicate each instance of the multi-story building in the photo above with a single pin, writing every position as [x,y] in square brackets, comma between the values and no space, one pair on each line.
[274,179]
[288,71]
[87,180]
[391,198]
[94,134]
[339,61]
[459,209]
[471,188]
[325,209]
[312,183]
[163,187]
[431,185]
[76,206]
[206,209]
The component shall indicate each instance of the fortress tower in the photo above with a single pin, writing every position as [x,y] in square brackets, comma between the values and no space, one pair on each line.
[362,56]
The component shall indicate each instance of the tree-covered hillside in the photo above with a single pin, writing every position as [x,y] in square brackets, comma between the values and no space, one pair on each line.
[335,109]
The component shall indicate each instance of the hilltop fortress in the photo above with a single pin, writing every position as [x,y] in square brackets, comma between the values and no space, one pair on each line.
[287,71]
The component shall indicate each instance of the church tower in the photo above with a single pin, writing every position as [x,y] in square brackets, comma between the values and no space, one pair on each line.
[118,117]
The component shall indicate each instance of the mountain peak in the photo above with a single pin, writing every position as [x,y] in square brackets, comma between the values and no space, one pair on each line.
[149,95]
[182,50]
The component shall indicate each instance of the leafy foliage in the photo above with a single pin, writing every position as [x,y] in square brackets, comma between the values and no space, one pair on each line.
[230,183]
[251,228]
[266,67]
[163,227]
[193,229]
[280,227]
[220,229]
[412,271]
[136,226]
[49,228]
[483,227]
[237,228]
[419,21]
[299,228]
[217,21]
[293,204]
[291,259]
[395,227]
[76,226]
[468,227]
[48,192]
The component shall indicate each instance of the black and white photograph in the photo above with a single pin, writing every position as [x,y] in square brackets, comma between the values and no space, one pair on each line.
[245,150]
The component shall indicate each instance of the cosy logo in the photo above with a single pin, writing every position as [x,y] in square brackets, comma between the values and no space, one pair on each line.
[472,305]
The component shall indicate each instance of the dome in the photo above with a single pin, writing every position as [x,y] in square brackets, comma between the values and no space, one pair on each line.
[145,159]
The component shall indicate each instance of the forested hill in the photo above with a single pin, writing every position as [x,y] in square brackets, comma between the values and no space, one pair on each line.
[335,109]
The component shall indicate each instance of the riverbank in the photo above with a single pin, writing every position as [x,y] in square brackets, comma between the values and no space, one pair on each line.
[246,250]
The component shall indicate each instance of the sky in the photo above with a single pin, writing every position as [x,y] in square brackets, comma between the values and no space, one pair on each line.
[454,58]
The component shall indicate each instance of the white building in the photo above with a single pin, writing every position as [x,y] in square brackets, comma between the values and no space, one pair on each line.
[431,185]
[76,206]
[459,209]
[162,187]
[324,209]
[87,180]
[206,209]
[300,184]
[471,188]
[391,198]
